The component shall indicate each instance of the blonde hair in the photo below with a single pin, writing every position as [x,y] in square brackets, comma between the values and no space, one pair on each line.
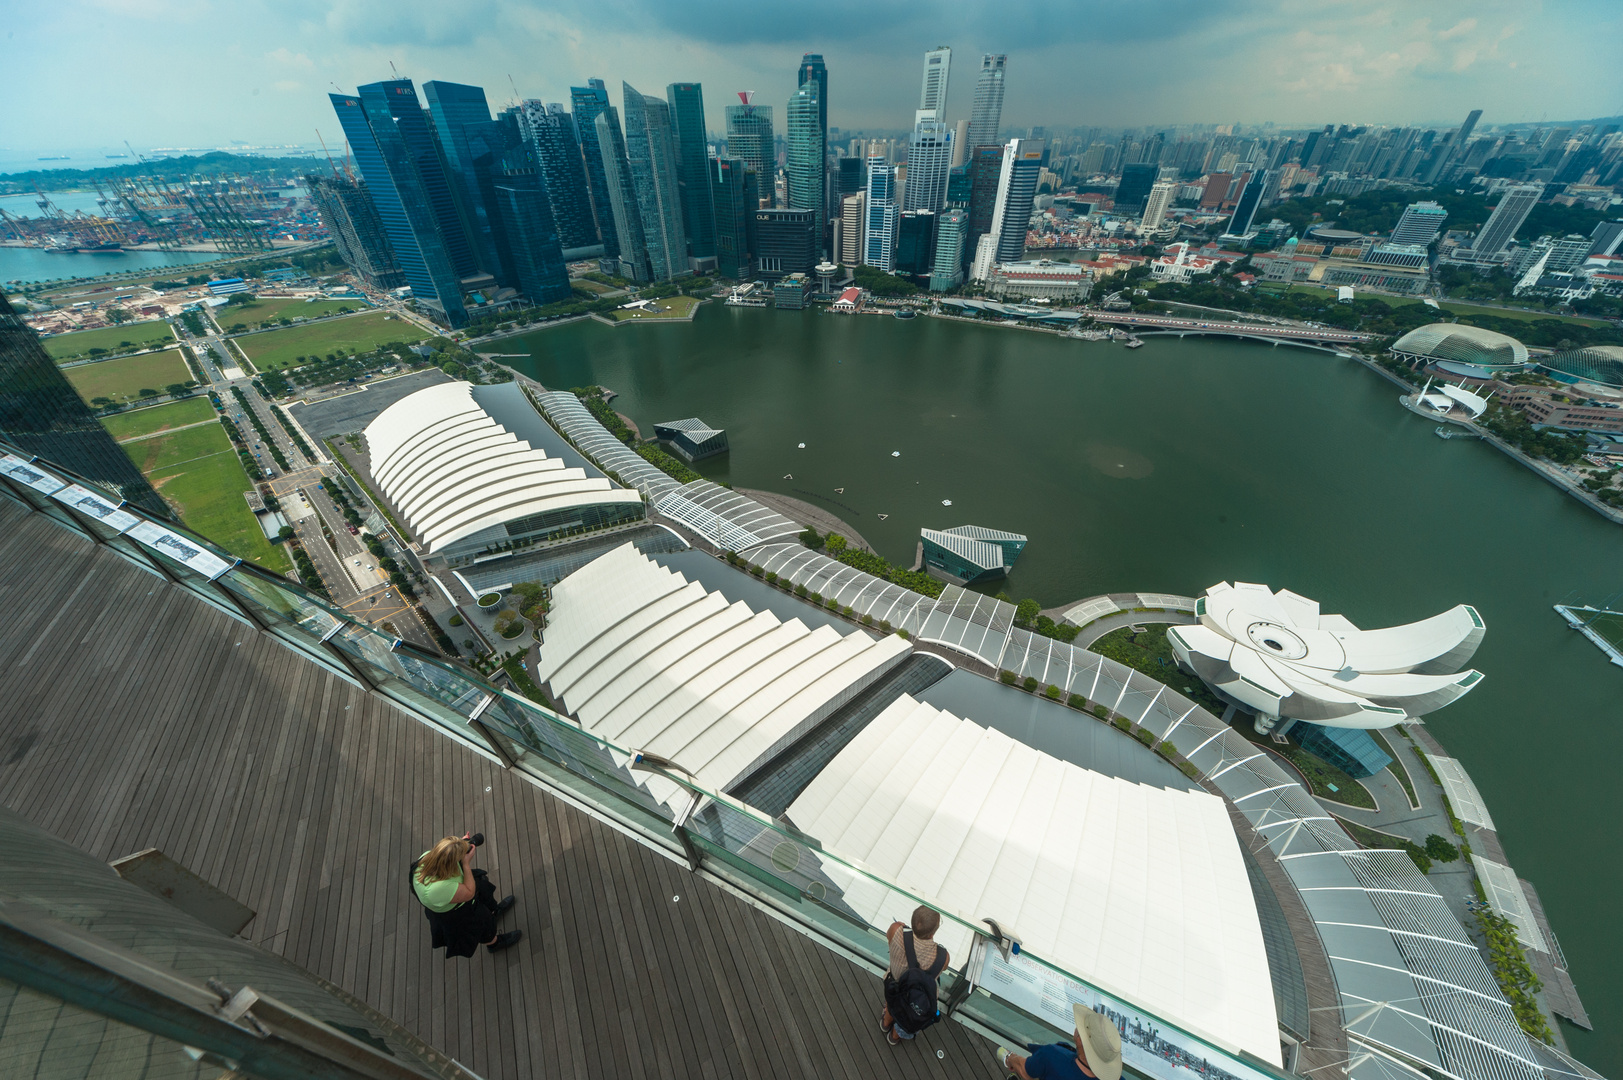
[444,860]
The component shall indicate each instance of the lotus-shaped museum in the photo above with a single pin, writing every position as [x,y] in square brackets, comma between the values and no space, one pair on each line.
[1277,654]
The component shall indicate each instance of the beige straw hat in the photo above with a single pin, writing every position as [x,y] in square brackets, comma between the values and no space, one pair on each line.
[1101,1043]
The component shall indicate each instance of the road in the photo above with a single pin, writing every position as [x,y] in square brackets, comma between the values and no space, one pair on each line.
[1212,326]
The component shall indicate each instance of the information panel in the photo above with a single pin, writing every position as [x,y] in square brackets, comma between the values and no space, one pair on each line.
[101,508]
[1147,1046]
[179,548]
[24,473]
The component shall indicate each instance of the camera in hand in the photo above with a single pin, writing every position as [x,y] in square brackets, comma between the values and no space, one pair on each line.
[476,839]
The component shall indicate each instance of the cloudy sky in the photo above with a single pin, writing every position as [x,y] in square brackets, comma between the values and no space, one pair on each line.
[92,73]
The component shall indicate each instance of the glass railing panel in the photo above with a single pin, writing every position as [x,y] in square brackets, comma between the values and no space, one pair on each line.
[443,683]
[34,484]
[601,764]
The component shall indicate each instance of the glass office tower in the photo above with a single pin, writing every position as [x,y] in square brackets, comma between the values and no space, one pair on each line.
[587,103]
[551,135]
[987,112]
[985,166]
[813,70]
[455,109]
[879,231]
[693,167]
[1016,190]
[398,171]
[807,149]
[750,139]
[651,152]
[535,253]
[42,413]
[622,197]
[732,188]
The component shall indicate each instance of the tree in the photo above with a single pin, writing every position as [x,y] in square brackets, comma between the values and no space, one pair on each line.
[1439,848]
[117,315]
[285,532]
[834,542]
[812,539]
[1026,612]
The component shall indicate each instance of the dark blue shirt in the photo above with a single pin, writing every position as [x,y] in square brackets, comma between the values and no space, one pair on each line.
[1056,1061]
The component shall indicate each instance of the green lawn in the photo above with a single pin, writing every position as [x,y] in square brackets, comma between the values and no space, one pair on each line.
[113,339]
[1456,307]
[670,307]
[273,308]
[123,380]
[199,474]
[1609,626]
[176,414]
[280,349]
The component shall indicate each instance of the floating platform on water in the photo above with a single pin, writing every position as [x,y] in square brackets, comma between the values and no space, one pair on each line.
[1603,627]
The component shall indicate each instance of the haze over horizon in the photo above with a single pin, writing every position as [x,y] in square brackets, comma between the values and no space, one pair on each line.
[203,73]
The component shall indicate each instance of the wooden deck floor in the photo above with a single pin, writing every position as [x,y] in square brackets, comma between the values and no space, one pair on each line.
[133,715]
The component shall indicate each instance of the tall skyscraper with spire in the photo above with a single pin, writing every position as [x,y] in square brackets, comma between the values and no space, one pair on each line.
[807,150]
[987,112]
[587,103]
[750,139]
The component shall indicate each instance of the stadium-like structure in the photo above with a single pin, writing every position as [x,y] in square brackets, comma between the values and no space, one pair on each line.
[1276,654]
[1599,364]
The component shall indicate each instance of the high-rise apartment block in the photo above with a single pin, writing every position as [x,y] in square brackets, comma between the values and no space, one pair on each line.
[586,104]
[693,171]
[356,230]
[397,158]
[933,93]
[41,413]
[986,114]
[1500,228]
[806,150]
[952,231]
[651,152]
[1016,191]
[750,139]
[879,228]
[1156,205]
[1420,224]
[550,131]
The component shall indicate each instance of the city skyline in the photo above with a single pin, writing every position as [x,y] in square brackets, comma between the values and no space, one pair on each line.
[1347,63]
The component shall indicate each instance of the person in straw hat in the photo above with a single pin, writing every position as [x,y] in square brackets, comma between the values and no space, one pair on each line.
[1097,1053]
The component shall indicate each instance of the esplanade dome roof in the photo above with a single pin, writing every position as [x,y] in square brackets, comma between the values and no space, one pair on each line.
[1463,344]
[1597,364]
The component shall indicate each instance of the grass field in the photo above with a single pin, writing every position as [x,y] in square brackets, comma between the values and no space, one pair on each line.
[176,414]
[1458,307]
[123,380]
[280,349]
[197,472]
[670,307]
[1608,625]
[272,308]
[110,338]
[591,286]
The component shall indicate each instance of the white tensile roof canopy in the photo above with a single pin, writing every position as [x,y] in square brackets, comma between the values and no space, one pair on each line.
[1276,653]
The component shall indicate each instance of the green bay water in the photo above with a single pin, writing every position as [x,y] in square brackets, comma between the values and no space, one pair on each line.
[1167,469]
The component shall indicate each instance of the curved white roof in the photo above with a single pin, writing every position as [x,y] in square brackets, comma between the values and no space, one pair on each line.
[650,661]
[1464,344]
[1277,653]
[1141,890]
[452,470]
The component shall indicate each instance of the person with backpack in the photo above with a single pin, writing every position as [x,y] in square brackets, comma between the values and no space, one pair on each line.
[916,963]
[460,902]
[1096,1055]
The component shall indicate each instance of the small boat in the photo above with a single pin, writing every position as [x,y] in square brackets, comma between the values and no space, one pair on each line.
[882,517]
[788,476]
[946,502]
[895,453]
[802,446]
[839,491]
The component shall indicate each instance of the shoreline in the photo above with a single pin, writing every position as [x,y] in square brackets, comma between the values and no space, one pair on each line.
[808,514]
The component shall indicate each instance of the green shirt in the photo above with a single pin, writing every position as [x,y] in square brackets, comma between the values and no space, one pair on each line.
[436,895]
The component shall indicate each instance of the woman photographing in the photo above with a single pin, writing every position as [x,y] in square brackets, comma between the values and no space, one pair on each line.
[460,902]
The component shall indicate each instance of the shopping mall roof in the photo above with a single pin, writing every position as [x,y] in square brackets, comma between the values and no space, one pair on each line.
[452,470]
[647,659]
[1462,344]
[1134,887]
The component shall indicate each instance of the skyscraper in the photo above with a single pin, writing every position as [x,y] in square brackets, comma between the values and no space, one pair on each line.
[41,413]
[1135,187]
[651,152]
[357,232]
[960,143]
[985,167]
[1155,207]
[750,140]
[807,150]
[735,204]
[633,257]
[879,231]
[1500,228]
[1246,203]
[915,242]
[1420,224]
[587,103]
[987,112]
[1016,189]
[952,230]
[550,132]
[786,242]
[533,251]
[929,159]
[693,168]
[933,94]
[455,108]
[812,69]
[852,223]
[395,169]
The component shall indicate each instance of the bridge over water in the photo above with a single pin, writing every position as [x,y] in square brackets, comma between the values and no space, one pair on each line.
[1313,336]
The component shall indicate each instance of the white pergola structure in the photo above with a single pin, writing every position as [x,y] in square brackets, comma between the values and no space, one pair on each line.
[1277,654]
